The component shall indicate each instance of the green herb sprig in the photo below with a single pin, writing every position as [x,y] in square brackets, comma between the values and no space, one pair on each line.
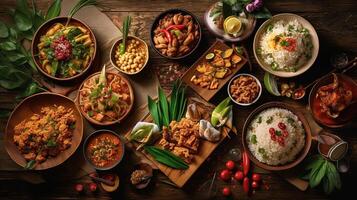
[125,31]
[318,170]
[164,111]
[166,157]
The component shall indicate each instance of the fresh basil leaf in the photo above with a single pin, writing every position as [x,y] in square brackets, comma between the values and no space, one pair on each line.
[7,46]
[318,174]
[335,175]
[31,89]
[13,34]
[22,6]
[227,9]
[262,13]
[4,32]
[14,56]
[23,22]
[27,34]
[12,78]
[54,67]
[328,187]
[54,10]
[38,20]
[30,164]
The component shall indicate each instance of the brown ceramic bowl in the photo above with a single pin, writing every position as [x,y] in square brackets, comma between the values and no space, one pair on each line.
[109,122]
[42,30]
[26,109]
[115,47]
[300,157]
[345,116]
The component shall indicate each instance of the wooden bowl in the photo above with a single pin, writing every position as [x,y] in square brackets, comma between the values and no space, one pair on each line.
[345,116]
[42,30]
[94,134]
[174,11]
[286,17]
[111,122]
[115,47]
[300,157]
[26,109]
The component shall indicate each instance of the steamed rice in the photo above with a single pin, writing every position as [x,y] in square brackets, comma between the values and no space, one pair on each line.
[264,148]
[273,46]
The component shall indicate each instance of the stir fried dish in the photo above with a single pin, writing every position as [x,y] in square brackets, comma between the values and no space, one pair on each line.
[334,97]
[45,134]
[65,51]
[105,97]
[104,149]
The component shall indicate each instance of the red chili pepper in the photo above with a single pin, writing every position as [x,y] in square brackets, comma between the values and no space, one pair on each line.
[167,35]
[246,163]
[179,27]
[246,185]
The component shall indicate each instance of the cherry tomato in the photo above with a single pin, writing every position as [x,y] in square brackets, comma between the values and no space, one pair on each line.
[282,126]
[92,187]
[79,187]
[230,165]
[285,133]
[256,177]
[272,131]
[225,175]
[239,175]
[273,137]
[255,184]
[226,191]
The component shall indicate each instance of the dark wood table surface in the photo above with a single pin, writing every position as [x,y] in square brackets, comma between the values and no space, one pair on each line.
[336,25]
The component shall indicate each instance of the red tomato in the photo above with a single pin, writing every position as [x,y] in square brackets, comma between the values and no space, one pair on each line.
[272,131]
[256,177]
[239,175]
[92,187]
[282,126]
[285,133]
[255,185]
[226,191]
[230,165]
[225,175]
[79,187]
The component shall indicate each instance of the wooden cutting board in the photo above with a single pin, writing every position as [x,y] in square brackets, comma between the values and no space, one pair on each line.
[180,177]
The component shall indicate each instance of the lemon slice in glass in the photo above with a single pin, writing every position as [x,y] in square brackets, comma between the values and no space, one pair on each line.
[232,25]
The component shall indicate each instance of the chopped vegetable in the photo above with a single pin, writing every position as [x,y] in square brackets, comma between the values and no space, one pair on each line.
[221,112]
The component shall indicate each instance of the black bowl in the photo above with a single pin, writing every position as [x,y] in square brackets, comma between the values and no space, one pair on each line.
[95,133]
[160,16]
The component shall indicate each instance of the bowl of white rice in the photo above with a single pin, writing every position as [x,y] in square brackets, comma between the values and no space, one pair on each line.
[276,137]
[286,45]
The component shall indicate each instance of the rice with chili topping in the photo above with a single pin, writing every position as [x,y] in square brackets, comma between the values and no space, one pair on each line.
[275,136]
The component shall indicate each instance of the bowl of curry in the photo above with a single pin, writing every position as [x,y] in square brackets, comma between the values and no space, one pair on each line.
[103,149]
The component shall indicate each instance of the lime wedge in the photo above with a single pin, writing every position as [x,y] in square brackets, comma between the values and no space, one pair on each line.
[271,84]
[232,25]
[210,56]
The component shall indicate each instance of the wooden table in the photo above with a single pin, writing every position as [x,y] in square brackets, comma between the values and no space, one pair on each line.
[336,25]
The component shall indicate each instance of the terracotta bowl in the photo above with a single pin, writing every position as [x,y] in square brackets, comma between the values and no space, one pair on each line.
[300,157]
[111,122]
[94,134]
[42,30]
[347,115]
[286,17]
[25,110]
[174,11]
[115,47]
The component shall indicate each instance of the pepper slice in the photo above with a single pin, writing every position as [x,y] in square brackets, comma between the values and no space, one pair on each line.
[246,163]
[167,35]
[178,26]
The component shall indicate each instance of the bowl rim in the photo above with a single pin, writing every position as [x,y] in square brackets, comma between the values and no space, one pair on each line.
[174,10]
[33,46]
[97,132]
[303,68]
[302,154]
[112,122]
[112,52]
[313,92]
[245,74]
[33,96]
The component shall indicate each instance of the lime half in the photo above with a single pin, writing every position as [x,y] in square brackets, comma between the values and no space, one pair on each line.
[271,84]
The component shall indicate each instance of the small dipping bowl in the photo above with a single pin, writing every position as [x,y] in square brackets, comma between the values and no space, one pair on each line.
[256,98]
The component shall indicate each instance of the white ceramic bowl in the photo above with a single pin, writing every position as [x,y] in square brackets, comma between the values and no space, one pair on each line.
[287,17]
[244,104]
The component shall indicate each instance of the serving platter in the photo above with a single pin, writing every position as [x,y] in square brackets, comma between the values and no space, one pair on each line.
[205,93]
[32,105]
[180,177]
